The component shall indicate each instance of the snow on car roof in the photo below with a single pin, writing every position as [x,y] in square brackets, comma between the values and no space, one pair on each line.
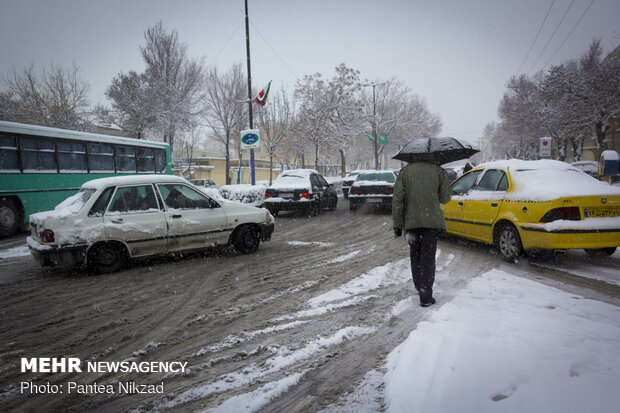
[544,180]
[101,183]
[298,172]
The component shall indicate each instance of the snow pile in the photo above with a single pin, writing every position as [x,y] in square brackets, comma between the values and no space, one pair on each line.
[21,251]
[507,344]
[245,194]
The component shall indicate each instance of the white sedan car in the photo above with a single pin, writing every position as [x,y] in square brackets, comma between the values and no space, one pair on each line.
[113,219]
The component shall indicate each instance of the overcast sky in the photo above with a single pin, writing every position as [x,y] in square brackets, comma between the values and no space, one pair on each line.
[457,54]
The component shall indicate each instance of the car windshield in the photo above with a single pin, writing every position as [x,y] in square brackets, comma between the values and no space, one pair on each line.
[292,181]
[377,177]
[75,202]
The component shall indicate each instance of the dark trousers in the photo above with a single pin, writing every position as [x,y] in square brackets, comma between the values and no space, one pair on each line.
[423,245]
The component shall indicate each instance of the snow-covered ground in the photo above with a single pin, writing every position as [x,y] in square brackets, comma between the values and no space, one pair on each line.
[506,344]
[503,344]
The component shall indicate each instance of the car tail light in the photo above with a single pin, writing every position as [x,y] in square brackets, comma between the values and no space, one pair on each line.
[267,195]
[389,191]
[47,235]
[566,213]
[356,192]
[304,195]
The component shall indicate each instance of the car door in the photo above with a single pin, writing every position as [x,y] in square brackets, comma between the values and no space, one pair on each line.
[454,210]
[317,189]
[329,194]
[194,219]
[483,203]
[135,218]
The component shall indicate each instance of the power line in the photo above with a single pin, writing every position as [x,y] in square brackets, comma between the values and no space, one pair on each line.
[569,33]
[225,44]
[552,34]
[274,51]
[535,38]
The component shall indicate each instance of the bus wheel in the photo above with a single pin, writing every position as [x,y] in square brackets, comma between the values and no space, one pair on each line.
[106,258]
[10,218]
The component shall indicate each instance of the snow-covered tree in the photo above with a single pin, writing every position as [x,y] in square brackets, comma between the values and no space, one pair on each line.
[275,121]
[519,111]
[166,98]
[569,103]
[347,115]
[132,104]
[54,97]
[225,111]
[313,123]
[175,81]
[601,90]
[399,113]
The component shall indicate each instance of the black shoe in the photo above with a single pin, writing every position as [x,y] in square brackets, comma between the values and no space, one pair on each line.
[428,303]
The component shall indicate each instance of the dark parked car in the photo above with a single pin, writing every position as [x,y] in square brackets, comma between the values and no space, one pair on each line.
[348,180]
[374,189]
[300,189]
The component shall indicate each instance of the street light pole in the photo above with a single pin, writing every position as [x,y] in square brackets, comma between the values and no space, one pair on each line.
[374,122]
[247,45]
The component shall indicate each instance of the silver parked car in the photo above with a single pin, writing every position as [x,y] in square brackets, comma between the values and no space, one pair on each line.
[204,183]
[114,219]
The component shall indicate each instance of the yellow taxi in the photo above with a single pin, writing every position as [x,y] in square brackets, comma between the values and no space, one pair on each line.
[534,205]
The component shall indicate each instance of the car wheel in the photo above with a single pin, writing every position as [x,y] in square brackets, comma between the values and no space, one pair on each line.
[334,204]
[106,258]
[600,252]
[314,209]
[352,206]
[10,218]
[246,239]
[509,243]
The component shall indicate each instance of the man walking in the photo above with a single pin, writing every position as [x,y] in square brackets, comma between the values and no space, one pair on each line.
[418,192]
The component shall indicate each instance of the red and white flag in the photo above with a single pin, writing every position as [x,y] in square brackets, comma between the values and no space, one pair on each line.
[261,99]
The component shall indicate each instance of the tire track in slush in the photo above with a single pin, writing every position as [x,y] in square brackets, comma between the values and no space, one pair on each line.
[223,314]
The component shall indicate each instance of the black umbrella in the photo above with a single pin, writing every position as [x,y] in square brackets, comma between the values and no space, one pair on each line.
[436,150]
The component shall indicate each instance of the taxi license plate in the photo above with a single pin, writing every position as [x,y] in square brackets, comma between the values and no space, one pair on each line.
[601,212]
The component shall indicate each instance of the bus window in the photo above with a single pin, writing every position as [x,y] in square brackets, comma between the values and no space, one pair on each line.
[125,159]
[100,157]
[146,161]
[37,154]
[160,160]
[8,153]
[71,157]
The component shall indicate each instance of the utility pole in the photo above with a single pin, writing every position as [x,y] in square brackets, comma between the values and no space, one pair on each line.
[374,122]
[247,46]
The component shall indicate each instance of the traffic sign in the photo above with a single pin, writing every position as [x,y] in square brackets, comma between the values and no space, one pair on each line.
[545,148]
[250,139]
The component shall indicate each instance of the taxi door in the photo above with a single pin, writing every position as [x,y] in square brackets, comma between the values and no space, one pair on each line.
[453,211]
[482,204]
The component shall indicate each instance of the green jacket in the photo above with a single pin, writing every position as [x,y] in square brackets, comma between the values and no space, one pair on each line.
[418,192]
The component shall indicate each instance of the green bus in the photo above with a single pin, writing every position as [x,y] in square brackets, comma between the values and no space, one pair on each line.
[40,166]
